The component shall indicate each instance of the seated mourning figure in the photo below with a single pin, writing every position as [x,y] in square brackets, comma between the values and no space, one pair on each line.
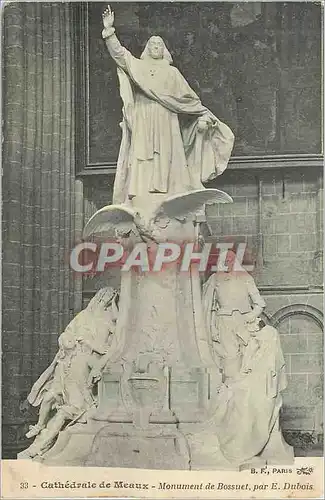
[251,360]
[65,390]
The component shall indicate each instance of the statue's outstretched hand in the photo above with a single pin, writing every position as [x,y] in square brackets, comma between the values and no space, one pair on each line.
[108,17]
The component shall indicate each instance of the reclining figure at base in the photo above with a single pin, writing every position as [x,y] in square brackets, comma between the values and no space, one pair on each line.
[66,387]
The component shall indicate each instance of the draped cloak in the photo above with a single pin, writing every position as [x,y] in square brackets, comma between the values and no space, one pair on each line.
[93,324]
[249,415]
[162,150]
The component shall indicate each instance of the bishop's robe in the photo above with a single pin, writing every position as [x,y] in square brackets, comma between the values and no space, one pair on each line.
[162,150]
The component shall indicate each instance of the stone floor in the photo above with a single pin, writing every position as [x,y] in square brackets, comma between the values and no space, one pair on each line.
[313,452]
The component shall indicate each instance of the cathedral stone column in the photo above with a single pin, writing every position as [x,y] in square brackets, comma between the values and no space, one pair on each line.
[40,199]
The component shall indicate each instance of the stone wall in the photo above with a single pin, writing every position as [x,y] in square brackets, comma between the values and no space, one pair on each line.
[40,200]
[278,214]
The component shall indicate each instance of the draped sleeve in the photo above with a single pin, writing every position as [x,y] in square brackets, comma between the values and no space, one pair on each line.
[117,52]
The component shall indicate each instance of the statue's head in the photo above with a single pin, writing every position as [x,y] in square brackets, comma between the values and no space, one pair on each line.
[230,260]
[156,49]
[67,340]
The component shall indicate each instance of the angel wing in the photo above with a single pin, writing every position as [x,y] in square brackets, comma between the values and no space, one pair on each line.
[182,205]
[109,219]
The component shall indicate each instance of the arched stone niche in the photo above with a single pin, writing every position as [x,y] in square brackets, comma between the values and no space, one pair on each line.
[311,312]
[301,333]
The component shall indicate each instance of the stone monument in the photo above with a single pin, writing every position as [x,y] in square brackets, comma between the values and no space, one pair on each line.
[163,374]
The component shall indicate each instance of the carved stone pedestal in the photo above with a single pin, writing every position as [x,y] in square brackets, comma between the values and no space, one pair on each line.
[120,445]
[161,401]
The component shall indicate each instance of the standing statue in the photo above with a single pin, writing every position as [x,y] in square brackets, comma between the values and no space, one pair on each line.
[66,386]
[253,367]
[231,302]
[171,143]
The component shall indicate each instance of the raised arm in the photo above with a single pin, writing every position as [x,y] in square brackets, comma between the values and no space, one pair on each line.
[116,50]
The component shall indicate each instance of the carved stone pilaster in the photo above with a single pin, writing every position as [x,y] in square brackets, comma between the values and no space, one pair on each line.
[39,192]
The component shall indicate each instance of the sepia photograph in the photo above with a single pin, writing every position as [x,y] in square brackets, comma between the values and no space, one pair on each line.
[162,249]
